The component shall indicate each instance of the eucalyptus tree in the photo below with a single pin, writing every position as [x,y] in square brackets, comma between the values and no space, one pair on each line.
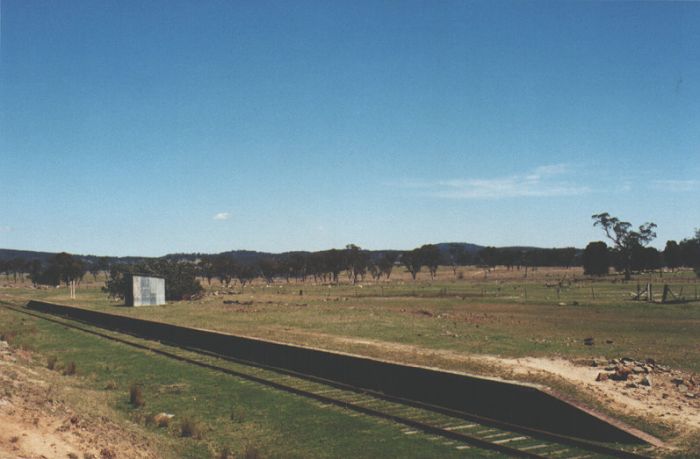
[625,239]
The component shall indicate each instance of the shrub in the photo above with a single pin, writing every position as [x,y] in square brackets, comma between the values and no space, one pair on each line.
[51,362]
[251,452]
[190,428]
[70,369]
[237,414]
[136,396]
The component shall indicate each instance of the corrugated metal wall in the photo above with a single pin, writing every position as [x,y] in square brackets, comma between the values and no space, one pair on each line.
[147,291]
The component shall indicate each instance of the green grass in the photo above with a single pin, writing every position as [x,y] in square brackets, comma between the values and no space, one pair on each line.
[275,423]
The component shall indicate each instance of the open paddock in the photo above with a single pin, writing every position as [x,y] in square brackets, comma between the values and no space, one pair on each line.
[498,323]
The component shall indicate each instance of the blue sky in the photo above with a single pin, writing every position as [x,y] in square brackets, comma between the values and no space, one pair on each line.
[145,128]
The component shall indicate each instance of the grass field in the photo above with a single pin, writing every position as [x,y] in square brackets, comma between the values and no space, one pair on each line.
[503,314]
[441,322]
[229,413]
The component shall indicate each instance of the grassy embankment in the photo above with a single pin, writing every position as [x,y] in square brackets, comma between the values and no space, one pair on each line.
[226,411]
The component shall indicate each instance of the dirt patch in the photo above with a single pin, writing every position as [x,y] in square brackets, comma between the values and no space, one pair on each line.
[38,422]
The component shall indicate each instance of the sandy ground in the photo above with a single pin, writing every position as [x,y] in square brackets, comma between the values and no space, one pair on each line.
[662,402]
[37,422]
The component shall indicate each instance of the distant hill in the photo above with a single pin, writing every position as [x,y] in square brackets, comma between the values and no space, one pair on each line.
[242,256]
[468,247]
[9,254]
[29,255]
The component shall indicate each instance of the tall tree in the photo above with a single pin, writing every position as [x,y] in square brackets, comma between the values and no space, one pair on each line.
[386,264]
[69,268]
[246,274]
[624,238]
[206,269]
[268,267]
[488,257]
[103,264]
[35,271]
[431,258]
[596,259]
[413,262]
[696,266]
[690,252]
[334,263]
[457,256]
[224,268]
[374,270]
[17,266]
[357,261]
[672,255]
[94,270]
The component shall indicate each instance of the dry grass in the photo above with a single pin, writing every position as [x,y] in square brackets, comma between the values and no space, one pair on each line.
[226,453]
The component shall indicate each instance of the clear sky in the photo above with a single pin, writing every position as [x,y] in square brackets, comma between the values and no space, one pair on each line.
[145,128]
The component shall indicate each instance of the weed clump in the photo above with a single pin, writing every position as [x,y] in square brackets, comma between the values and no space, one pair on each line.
[70,369]
[237,414]
[51,362]
[136,396]
[251,452]
[190,428]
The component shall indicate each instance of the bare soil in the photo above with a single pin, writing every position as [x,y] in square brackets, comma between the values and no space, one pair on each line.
[40,419]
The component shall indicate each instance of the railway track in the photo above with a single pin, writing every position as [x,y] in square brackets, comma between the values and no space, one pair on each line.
[463,431]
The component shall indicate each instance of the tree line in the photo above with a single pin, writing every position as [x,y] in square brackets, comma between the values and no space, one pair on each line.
[628,253]
[59,268]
